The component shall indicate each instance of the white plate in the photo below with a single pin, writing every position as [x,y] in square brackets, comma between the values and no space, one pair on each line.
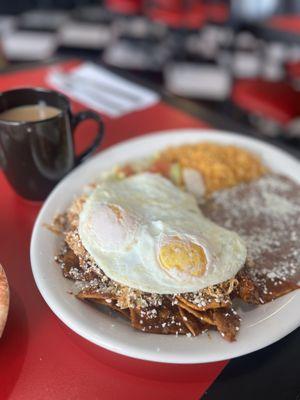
[261,325]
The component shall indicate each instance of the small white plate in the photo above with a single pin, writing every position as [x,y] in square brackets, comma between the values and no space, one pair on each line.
[261,325]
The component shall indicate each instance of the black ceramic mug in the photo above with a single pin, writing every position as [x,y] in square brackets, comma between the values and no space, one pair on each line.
[35,155]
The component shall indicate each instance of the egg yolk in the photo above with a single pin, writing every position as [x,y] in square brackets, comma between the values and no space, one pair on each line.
[184,256]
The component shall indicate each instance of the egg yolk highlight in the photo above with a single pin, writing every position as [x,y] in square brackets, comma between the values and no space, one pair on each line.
[184,256]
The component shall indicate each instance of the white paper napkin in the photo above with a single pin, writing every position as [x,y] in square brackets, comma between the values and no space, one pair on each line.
[102,90]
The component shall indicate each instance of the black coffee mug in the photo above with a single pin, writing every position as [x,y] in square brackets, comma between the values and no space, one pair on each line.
[36,155]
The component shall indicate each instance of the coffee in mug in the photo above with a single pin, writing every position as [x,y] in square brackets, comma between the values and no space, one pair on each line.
[33,112]
[37,139]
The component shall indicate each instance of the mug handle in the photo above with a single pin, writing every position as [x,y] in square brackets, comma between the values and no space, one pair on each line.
[76,120]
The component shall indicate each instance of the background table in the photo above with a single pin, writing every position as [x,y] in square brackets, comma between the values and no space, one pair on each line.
[42,359]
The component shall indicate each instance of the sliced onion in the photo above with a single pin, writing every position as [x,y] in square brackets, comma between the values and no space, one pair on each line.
[194,183]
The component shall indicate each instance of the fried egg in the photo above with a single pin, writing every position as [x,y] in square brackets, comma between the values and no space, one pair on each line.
[146,233]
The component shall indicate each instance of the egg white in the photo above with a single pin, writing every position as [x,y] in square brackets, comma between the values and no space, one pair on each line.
[153,210]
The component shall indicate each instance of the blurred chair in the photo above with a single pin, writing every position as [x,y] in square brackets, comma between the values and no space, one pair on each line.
[275,100]
[190,14]
[287,23]
[124,6]
[271,105]
[176,13]
[217,11]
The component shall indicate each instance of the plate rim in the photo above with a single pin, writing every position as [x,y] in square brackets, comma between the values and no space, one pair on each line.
[73,324]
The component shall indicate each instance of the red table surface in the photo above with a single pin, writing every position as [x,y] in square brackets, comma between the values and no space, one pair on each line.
[40,358]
